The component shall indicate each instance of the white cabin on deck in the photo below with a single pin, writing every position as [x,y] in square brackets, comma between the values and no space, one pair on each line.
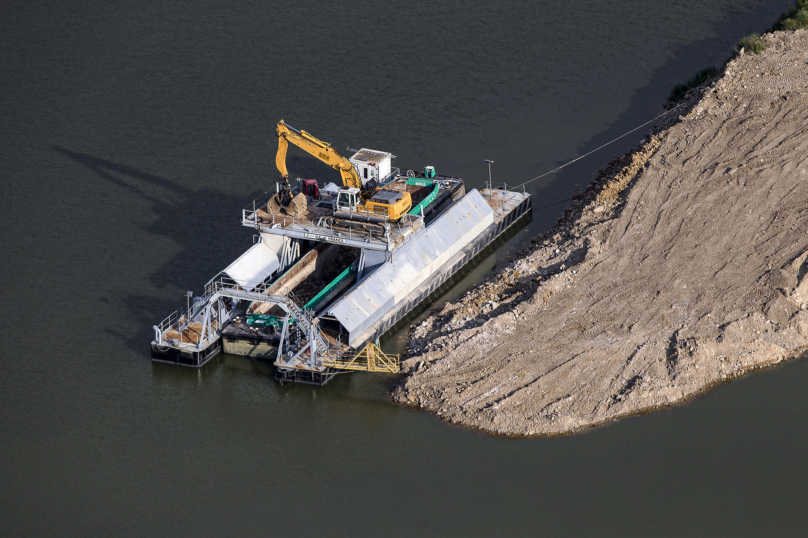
[372,164]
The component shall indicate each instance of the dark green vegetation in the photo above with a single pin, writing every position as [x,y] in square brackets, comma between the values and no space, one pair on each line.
[793,19]
[751,43]
[679,90]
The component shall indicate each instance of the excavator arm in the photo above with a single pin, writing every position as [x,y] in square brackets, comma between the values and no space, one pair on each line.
[317,148]
[363,203]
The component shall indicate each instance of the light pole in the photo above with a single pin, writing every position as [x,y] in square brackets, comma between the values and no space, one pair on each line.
[490,185]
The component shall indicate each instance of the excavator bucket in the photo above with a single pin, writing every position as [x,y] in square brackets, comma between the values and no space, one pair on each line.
[297,206]
[273,206]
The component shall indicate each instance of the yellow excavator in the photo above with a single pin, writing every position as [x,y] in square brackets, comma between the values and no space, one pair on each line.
[355,199]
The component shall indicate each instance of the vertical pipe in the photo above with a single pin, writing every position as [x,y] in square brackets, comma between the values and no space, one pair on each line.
[313,345]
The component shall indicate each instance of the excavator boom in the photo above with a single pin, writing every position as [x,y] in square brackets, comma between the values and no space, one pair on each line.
[357,200]
[317,148]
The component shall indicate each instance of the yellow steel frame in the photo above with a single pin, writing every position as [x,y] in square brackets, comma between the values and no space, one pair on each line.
[370,359]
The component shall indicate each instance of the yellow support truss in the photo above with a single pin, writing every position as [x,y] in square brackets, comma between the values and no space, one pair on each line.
[370,359]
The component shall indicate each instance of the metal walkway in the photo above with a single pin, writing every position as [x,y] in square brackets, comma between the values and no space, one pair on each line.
[302,346]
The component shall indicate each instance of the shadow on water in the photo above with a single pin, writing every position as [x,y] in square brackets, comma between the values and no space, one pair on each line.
[553,193]
[346,387]
[478,268]
[359,392]
[191,219]
[202,222]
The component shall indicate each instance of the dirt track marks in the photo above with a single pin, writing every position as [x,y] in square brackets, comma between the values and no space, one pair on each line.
[679,263]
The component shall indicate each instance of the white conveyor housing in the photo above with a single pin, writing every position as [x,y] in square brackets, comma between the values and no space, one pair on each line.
[412,265]
[264,259]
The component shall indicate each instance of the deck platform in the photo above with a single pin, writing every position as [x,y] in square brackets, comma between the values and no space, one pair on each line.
[317,223]
[313,226]
[504,202]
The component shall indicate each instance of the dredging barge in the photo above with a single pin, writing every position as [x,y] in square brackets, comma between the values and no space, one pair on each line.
[314,293]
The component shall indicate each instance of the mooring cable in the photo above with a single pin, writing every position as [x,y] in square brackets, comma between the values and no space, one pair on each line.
[601,147]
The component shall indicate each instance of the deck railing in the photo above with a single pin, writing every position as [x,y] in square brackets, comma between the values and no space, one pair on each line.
[370,359]
[392,230]
[505,187]
[496,201]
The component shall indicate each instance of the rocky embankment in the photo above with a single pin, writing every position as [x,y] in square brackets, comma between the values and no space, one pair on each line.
[683,265]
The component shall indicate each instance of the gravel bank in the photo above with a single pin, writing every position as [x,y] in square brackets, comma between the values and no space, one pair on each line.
[683,265]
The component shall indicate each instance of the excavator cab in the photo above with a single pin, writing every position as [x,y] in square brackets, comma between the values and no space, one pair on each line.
[347,200]
[382,206]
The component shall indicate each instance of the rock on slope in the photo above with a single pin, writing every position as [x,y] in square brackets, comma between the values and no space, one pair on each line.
[685,265]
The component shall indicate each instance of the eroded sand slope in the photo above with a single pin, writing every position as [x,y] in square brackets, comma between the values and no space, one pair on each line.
[685,265]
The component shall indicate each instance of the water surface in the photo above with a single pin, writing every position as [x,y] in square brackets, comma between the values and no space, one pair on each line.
[133,134]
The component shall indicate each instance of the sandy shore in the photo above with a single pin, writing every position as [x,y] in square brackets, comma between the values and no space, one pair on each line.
[682,266]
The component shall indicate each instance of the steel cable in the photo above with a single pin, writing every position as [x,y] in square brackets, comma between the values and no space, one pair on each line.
[600,147]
